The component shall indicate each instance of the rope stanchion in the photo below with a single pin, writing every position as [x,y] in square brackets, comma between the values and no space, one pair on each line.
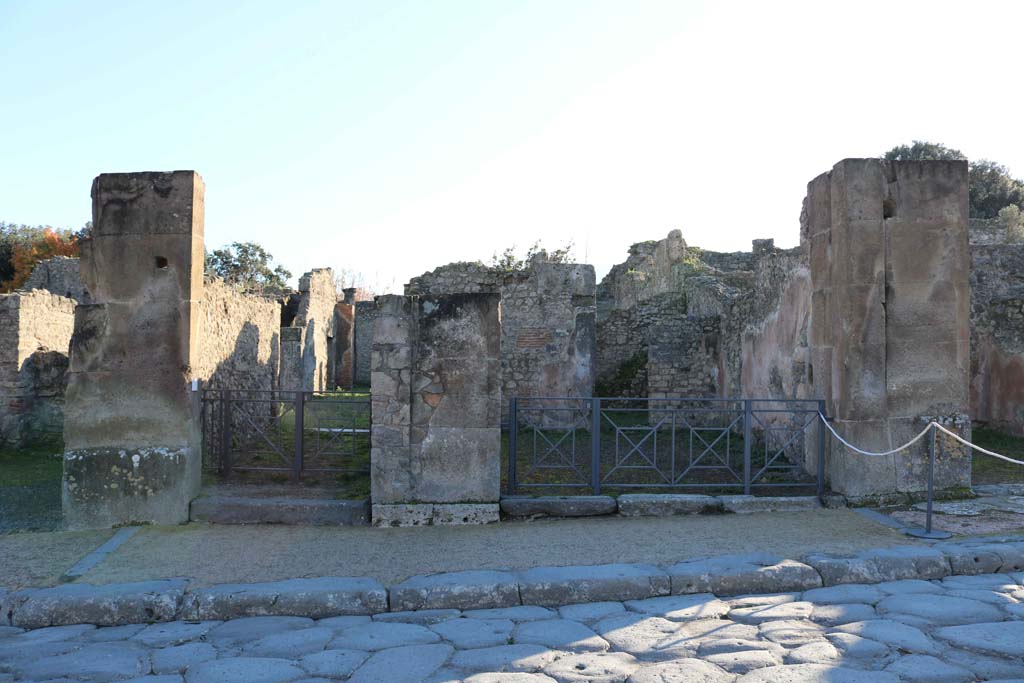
[932,427]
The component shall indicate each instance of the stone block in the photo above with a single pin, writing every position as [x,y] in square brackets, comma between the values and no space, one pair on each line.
[315,598]
[666,504]
[457,464]
[747,504]
[398,515]
[740,574]
[876,566]
[457,514]
[558,506]
[218,509]
[569,585]
[456,590]
[108,605]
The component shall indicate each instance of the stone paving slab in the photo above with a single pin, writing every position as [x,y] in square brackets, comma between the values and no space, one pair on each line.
[100,605]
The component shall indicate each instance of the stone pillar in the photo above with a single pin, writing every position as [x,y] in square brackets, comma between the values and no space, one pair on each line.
[131,432]
[436,393]
[344,343]
[889,334]
[290,374]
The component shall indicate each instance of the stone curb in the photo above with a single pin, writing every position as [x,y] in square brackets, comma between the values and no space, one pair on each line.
[657,505]
[172,599]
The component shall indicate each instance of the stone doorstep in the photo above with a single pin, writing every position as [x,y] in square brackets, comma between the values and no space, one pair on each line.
[172,599]
[658,505]
[236,509]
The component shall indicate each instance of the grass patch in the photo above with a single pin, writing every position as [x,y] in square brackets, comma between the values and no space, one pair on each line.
[989,470]
[33,463]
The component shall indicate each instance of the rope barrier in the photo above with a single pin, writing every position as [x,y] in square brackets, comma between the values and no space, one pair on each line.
[917,438]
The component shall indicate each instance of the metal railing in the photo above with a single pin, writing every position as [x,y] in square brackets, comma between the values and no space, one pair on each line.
[663,443]
[288,432]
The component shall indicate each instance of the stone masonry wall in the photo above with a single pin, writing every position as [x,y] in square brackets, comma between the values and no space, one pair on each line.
[60,275]
[344,342]
[238,336]
[547,323]
[366,315]
[35,332]
[997,335]
[315,320]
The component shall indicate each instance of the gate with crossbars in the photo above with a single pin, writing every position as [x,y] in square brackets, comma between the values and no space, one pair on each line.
[295,433]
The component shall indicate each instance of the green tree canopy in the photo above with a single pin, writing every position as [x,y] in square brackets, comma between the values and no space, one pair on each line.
[991,188]
[247,265]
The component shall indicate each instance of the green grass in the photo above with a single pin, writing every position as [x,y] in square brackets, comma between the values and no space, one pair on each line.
[989,470]
[33,463]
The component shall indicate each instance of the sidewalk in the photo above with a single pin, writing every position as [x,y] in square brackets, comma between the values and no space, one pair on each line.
[210,554]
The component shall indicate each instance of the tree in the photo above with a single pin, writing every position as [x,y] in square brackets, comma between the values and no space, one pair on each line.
[247,265]
[24,246]
[509,261]
[1013,222]
[990,186]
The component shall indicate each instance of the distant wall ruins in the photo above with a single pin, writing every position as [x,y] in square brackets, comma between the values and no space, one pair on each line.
[306,349]
[60,275]
[547,322]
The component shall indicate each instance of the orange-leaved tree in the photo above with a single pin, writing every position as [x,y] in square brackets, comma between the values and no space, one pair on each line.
[26,255]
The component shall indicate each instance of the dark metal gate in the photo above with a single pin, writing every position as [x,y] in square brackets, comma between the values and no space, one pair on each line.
[288,432]
[663,444]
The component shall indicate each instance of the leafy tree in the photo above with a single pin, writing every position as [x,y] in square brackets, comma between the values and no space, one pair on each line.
[1013,221]
[990,186]
[23,246]
[509,260]
[247,265]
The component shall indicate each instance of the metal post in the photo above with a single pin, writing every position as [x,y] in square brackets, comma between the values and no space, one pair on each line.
[748,437]
[225,432]
[513,443]
[931,479]
[928,532]
[595,445]
[821,449]
[300,411]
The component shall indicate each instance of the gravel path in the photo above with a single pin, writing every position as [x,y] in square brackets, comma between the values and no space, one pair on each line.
[963,628]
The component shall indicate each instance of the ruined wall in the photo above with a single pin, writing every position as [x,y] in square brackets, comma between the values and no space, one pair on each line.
[366,316]
[35,332]
[547,322]
[889,330]
[436,396]
[997,335]
[985,231]
[238,336]
[314,317]
[344,345]
[131,431]
[60,275]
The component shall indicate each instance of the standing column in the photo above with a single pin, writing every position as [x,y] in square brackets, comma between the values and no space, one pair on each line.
[132,439]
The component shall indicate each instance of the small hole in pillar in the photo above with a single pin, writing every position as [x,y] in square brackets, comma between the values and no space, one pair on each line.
[161,262]
[888,208]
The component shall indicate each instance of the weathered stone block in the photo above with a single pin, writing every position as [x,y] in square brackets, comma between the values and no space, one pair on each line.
[748,504]
[421,514]
[457,514]
[558,506]
[108,605]
[876,566]
[667,504]
[456,590]
[570,585]
[739,574]
[307,511]
[314,598]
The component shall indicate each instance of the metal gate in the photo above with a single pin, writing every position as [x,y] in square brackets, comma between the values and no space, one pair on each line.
[287,432]
[663,444]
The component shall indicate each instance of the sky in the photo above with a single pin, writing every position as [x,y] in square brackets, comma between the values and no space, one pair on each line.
[388,138]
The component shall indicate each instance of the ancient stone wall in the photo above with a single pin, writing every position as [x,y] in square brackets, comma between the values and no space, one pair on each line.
[238,336]
[997,335]
[60,275]
[986,231]
[35,331]
[131,431]
[344,343]
[314,316]
[436,396]
[547,322]
[365,317]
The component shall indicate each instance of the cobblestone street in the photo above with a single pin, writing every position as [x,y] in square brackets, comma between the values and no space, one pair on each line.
[962,628]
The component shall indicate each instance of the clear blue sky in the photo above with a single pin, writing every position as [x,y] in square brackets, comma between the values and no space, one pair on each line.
[392,137]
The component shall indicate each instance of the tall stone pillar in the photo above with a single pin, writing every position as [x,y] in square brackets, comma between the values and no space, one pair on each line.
[436,392]
[132,441]
[890,336]
[344,344]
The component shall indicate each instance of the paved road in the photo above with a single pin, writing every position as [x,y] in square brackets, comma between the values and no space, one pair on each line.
[958,629]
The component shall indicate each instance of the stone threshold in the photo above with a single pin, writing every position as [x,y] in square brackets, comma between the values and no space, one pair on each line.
[728,575]
[238,508]
[659,505]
